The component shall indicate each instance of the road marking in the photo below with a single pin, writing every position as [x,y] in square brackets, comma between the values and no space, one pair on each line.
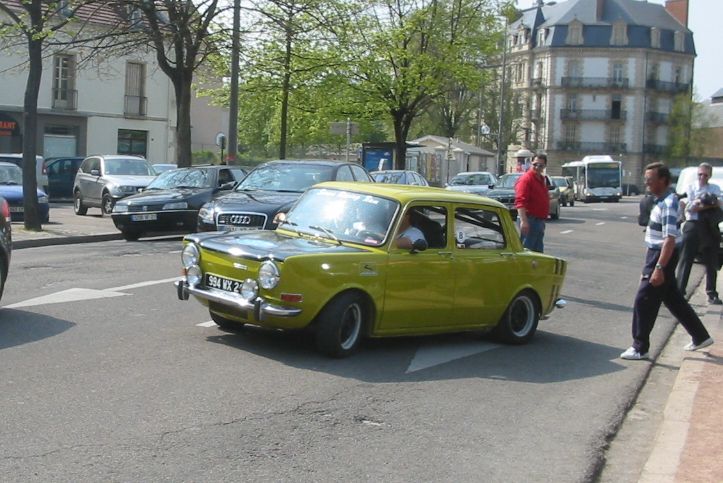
[79,294]
[210,323]
[70,295]
[437,353]
[623,217]
[600,223]
[565,232]
[599,209]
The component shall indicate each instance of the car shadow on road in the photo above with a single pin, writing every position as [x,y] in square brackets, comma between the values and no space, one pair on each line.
[548,358]
[18,327]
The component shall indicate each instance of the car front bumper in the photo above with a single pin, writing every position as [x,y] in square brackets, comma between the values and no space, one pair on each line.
[164,220]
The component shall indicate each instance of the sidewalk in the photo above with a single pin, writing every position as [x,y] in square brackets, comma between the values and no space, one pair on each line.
[66,227]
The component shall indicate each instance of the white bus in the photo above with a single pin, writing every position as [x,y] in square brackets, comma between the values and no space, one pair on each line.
[595,178]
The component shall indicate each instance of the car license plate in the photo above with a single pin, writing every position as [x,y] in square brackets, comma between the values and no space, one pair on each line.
[222,283]
[17,209]
[237,228]
[144,217]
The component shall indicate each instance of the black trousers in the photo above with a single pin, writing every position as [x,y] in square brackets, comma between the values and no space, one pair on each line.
[693,242]
[648,301]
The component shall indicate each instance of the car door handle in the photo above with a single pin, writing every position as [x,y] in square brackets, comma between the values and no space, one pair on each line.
[507,254]
[445,254]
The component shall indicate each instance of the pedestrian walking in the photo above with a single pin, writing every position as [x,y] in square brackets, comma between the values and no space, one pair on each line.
[700,231]
[657,284]
[533,204]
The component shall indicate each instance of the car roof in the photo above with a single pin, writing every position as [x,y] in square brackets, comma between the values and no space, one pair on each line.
[474,172]
[115,156]
[406,193]
[393,171]
[5,163]
[324,162]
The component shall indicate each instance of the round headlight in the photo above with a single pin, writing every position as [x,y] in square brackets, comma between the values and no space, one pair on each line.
[205,214]
[249,289]
[190,256]
[193,275]
[268,275]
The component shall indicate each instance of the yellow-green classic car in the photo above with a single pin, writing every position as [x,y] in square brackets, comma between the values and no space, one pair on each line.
[354,260]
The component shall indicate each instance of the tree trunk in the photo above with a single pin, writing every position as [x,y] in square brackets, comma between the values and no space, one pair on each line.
[284,131]
[30,126]
[402,123]
[182,87]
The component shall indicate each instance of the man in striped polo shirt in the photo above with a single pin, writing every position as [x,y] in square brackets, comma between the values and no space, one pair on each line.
[657,283]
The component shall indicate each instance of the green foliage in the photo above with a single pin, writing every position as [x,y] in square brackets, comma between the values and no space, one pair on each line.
[205,157]
[687,125]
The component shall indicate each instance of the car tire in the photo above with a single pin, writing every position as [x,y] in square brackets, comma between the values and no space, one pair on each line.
[340,325]
[3,275]
[131,235]
[519,322]
[106,205]
[78,207]
[572,202]
[225,324]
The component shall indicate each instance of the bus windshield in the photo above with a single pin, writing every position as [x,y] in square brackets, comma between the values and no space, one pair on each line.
[599,177]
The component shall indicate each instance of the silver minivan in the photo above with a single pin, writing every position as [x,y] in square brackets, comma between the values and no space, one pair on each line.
[102,180]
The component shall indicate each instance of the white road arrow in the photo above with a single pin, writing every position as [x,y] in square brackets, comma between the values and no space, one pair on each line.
[441,352]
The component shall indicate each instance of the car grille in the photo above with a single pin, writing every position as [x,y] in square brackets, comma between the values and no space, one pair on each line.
[242,220]
[505,200]
[143,208]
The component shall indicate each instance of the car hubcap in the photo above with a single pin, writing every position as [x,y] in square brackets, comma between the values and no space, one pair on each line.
[522,316]
[350,326]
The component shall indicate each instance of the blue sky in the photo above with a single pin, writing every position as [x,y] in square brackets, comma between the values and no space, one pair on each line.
[704,17]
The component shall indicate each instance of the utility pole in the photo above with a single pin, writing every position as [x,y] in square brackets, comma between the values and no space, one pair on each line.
[233,102]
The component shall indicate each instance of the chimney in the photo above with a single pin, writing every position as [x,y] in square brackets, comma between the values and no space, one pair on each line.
[599,10]
[679,10]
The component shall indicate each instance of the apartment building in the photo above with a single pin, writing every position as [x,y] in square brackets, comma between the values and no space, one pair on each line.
[120,104]
[600,77]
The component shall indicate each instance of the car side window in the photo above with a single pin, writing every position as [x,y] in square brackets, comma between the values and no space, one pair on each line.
[94,164]
[478,228]
[360,174]
[431,221]
[344,174]
[238,175]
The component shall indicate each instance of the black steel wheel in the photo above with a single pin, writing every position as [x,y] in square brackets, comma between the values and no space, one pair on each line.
[78,207]
[519,322]
[340,325]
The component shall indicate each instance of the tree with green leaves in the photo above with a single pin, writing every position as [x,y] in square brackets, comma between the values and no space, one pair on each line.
[687,134]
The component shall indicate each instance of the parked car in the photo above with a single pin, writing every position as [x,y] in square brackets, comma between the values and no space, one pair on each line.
[477,182]
[163,167]
[567,191]
[267,193]
[554,193]
[333,266]
[40,175]
[11,189]
[103,180]
[398,176]
[504,192]
[6,243]
[170,203]
[630,189]
[61,176]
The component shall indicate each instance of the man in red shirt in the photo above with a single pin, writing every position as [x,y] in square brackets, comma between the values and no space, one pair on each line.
[533,204]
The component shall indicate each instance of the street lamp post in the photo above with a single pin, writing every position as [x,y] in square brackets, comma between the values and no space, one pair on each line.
[500,164]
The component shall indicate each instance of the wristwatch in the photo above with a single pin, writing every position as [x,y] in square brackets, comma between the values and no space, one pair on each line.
[658,266]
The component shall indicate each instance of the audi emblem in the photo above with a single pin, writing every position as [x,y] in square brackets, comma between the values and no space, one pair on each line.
[240,219]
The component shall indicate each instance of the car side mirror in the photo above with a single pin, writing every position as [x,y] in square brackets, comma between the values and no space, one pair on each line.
[228,186]
[419,245]
[95,172]
[490,186]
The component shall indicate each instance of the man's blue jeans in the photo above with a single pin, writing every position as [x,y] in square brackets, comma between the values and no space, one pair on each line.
[534,238]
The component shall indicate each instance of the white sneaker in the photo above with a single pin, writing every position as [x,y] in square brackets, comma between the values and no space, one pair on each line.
[692,347]
[632,354]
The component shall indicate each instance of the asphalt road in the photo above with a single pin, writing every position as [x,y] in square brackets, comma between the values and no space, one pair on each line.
[108,377]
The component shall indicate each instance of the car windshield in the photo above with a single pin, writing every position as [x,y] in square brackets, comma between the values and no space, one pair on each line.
[162,168]
[507,181]
[388,177]
[472,179]
[561,182]
[128,166]
[342,216]
[286,177]
[11,174]
[181,178]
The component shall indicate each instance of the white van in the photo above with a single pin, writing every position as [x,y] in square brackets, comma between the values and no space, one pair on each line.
[40,176]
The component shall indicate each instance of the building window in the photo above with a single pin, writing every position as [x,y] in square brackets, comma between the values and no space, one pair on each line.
[618,73]
[64,82]
[654,72]
[571,103]
[679,41]
[615,136]
[574,68]
[655,38]
[616,108]
[541,37]
[620,34]
[132,142]
[135,100]
[678,75]
[570,133]
[574,33]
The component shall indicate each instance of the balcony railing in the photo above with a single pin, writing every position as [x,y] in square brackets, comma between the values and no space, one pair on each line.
[65,99]
[666,86]
[588,147]
[657,117]
[135,105]
[593,114]
[595,82]
[654,148]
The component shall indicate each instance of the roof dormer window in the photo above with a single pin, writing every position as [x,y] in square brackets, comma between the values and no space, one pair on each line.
[574,33]
[620,33]
[655,37]
[541,36]
[679,41]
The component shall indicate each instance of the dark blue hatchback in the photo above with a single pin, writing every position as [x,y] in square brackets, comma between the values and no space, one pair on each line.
[11,188]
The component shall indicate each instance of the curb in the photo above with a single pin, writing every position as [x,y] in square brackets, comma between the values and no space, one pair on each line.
[65,240]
